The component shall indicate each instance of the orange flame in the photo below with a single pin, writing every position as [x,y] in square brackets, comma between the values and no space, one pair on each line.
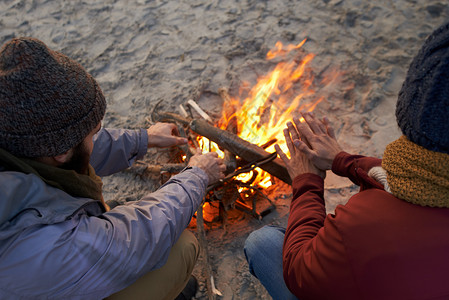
[271,103]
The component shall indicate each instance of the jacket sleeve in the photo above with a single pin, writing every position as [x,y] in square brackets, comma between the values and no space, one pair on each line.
[314,257]
[116,149]
[131,240]
[356,168]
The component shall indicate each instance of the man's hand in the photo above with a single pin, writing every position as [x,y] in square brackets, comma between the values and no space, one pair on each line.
[318,140]
[209,163]
[298,163]
[164,135]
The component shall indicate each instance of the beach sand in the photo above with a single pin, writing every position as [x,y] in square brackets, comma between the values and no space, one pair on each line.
[145,52]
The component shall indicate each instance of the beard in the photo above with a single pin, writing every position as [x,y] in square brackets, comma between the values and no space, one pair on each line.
[79,162]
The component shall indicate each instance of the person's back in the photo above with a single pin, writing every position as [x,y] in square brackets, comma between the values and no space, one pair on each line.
[395,250]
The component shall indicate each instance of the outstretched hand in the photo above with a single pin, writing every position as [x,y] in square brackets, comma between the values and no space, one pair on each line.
[298,163]
[209,163]
[312,145]
[318,141]
[164,135]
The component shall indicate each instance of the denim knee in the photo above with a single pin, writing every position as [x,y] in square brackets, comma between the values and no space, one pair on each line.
[262,242]
[265,237]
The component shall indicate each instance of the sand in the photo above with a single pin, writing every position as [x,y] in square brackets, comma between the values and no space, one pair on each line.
[142,52]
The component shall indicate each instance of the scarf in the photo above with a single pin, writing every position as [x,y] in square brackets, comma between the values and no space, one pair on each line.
[417,175]
[69,181]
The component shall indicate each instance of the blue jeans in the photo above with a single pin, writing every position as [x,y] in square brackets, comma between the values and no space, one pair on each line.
[263,251]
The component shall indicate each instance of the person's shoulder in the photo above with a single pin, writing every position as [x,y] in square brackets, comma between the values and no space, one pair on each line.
[10,180]
[364,206]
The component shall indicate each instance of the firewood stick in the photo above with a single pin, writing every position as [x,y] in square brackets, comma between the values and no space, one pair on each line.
[170,168]
[183,111]
[168,116]
[240,205]
[199,110]
[230,162]
[241,148]
[203,243]
[188,150]
[156,169]
[269,143]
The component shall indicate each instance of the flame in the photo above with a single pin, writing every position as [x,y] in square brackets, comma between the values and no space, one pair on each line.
[279,49]
[271,103]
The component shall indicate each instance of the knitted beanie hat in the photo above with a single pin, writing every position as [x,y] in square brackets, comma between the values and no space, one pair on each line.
[48,102]
[422,109]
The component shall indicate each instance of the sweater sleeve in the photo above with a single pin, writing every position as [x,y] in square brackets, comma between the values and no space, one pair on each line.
[314,256]
[356,168]
[133,239]
[116,149]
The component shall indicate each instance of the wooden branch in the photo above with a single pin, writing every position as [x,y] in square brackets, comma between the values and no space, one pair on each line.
[199,110]
[203,242]
[141,168]
[241,148]
[188,150]
[230,162]
[170,168]
[183,111]
[168,116]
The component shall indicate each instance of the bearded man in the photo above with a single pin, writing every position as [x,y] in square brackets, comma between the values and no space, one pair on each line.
[58,239]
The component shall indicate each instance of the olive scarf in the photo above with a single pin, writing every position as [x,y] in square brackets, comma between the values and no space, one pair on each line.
[69,181]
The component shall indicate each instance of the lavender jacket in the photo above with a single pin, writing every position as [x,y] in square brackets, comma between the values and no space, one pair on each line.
[55,246]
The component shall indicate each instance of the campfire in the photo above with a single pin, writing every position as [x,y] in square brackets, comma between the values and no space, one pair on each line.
[248,129]
[250,125]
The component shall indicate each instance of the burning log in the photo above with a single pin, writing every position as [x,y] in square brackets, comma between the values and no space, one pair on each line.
[241,148]
[268,144]
[231,142]
[230,162]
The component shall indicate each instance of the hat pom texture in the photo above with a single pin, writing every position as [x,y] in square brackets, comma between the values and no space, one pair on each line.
[48,102]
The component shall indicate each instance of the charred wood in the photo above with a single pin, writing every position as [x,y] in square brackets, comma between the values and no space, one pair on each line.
[241,148]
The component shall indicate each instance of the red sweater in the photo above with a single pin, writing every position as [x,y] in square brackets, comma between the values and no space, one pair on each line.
[374,247]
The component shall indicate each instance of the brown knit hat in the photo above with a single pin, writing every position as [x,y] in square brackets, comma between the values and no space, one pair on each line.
[48,102]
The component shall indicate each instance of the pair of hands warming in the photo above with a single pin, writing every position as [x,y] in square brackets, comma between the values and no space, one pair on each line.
[167,135]
[312,145]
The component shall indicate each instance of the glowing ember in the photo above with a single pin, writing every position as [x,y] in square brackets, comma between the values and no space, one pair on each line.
[270,104]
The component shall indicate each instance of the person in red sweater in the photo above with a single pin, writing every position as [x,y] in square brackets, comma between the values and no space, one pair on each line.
[390,241]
